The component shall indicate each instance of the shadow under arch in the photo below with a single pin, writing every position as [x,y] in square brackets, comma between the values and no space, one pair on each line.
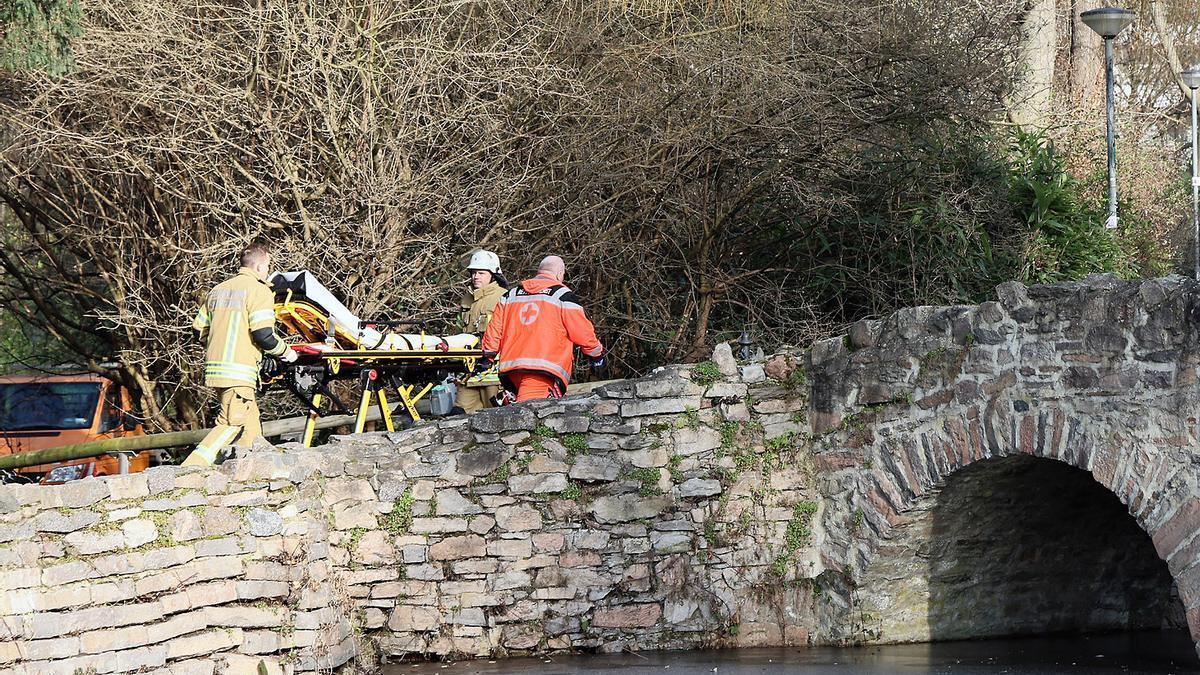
[1017,545]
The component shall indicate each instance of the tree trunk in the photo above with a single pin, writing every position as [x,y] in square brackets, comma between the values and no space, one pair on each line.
[1086,85]
[1167,39]
[1030,103]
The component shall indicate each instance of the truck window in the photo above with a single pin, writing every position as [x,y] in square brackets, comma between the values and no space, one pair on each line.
[110,419]
[48,405]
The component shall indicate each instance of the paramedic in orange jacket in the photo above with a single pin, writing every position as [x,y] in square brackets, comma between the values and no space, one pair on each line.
[533,332]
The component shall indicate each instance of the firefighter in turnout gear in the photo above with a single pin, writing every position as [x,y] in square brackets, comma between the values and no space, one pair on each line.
[237,323]
[487,285]
[536,327]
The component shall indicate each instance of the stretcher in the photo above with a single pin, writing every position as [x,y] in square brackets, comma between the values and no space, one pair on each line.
[334,344]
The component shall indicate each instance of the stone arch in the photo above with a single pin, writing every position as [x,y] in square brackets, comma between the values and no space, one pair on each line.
[1099,376]
[1016,545]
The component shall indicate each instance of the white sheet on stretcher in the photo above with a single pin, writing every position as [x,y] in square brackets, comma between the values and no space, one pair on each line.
[369,338]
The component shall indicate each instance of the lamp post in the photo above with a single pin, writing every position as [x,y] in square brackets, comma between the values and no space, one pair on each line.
[1192,79]
[1108,22]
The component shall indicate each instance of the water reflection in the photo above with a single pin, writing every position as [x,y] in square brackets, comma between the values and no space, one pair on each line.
[1128,653]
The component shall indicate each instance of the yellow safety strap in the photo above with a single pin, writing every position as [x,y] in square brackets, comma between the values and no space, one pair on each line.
[310,425]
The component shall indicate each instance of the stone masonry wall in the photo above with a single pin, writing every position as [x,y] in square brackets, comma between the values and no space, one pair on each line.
[673,511]
[701,506]
[1100,375]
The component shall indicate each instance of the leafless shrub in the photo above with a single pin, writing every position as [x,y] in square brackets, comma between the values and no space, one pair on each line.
[670,151]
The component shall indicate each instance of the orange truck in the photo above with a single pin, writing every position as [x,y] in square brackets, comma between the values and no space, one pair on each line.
[40,411]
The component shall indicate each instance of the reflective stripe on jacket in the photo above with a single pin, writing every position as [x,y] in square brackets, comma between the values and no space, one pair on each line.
[233,310]
[536,326]
[479,304]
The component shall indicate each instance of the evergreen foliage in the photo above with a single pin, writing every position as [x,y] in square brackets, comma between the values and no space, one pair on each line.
[36,35]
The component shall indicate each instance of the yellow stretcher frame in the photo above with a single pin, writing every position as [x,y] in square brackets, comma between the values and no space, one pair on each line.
[409,394]
[309,322]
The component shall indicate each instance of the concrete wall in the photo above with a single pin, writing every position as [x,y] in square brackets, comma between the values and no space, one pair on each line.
[668,512]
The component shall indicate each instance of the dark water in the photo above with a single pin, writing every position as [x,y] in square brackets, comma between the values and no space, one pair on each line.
[1154,652]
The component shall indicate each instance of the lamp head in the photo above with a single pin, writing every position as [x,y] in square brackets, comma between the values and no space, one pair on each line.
[1191,78]
[1108,21]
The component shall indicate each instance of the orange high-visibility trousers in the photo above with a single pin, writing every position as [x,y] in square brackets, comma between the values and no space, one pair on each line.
[532,386]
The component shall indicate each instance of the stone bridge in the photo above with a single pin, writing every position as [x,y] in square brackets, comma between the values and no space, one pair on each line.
[1024,466]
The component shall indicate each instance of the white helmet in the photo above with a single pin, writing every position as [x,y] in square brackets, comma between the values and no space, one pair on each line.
[485,260]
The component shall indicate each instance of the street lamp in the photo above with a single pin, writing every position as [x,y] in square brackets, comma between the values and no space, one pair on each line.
[1109,22]
[1192,79]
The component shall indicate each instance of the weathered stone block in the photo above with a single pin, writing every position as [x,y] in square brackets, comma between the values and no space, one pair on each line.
[544,464]
[129,486]
[659,406]
[589,539]
[204,643]
[456,548]
[138,532]
[374,548]
[510,548]
[16,532]
[670,542]
[219,521]
[722,355]
[350,515]
[699,487]
[595,468]
[541,483]
[570,424]
[254,590]
[226,546]
[266,523]
[246,617]
[451,503]
[185,526]
[66,573]
[505,418]
[727,390]
[629,616]
[54,624]
[63,523]
[753,373]
[651,457]
[694,440]
[88,543]
[518,518]
[548,542]
[77,494]
[407,618]
[666,385]
[507,581]
[438,525]
[628,507]
[483,460]
[57,648]
[734,412]
[347,489]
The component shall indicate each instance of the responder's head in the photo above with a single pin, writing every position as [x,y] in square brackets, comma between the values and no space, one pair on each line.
[553,267]
[257,257]
[484,268]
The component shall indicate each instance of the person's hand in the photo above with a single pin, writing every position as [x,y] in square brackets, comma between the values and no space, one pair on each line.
[289,355]
[598,363]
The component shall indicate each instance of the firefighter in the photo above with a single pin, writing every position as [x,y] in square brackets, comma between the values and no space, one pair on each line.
[487,284]
[237,323]
[532,336]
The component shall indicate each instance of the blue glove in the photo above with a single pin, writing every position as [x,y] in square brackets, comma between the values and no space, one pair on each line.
[598,363]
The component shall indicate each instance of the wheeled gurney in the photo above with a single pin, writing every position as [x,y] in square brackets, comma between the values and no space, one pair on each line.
[335,344]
